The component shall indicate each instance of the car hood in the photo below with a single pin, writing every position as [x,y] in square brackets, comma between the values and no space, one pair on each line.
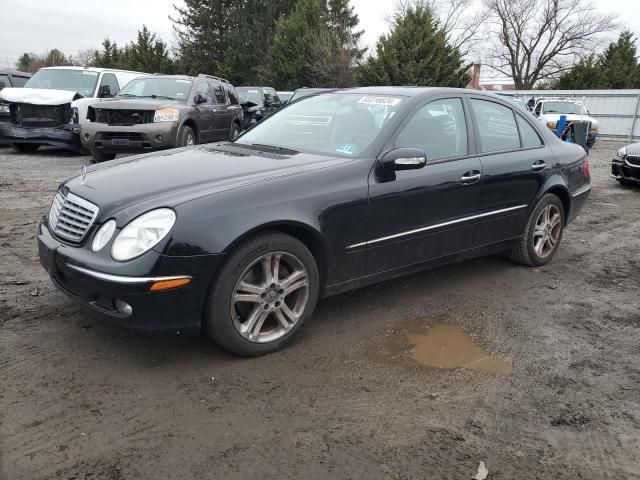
[135,184]
[38,96]
[554,117]
[633,149]
[138,104]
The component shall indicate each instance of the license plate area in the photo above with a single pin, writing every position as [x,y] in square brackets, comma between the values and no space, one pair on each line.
[120,141]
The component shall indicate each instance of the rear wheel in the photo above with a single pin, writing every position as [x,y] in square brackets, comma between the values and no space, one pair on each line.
[542,234]
[234,131]
[25,147]
[263,294]
[99,156]
[186,138]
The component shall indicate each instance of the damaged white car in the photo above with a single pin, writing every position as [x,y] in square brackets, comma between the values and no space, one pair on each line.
[53,104]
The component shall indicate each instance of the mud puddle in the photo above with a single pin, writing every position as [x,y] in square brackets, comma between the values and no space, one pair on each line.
[442,346]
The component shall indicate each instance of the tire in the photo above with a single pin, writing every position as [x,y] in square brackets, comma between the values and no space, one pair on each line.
[234,131]
[25,147]
[541,238]
[186,137]
[257,326]
[99,157]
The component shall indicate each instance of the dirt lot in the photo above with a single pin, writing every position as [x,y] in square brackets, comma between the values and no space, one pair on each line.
[82,399]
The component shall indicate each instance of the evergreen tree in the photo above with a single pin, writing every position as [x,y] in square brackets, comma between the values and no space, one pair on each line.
[147,54]
[415,52]
[109,56]
[586,74]
[619,63]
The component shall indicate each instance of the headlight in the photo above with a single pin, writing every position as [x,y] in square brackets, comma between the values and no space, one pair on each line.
[622,152]
[103,235]
[142,234]
[166,115]
[552,125]
[594,127]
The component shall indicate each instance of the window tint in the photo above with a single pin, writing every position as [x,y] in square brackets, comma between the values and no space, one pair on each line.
[203,89]
[233,97]
[4,81]
[439,128]
[496,125]
[218,93]
[19,81]
[528,134]
[538,109]
[111,80]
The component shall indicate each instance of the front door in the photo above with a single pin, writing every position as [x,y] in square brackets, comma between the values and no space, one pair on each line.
[424,214]
[515,165]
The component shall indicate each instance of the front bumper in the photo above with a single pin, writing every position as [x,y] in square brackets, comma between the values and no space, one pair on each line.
[137,138]
[104,291]
[591,138]
[65,136]
[622,170]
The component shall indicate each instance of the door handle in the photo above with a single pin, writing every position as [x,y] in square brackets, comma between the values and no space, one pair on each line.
[539,165]
[470,177]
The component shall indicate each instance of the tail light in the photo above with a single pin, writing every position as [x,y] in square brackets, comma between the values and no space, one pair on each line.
[586,169]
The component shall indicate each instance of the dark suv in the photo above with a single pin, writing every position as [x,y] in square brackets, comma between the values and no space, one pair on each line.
[13,78]
[265,101]
[157,112]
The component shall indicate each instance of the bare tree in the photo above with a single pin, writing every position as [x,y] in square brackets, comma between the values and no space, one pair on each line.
[84,58]
[539,39]
[331,62]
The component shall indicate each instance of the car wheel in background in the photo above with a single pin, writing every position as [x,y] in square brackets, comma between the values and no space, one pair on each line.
[186,138]
[234,131]
[262,295]
[25,147]
[99,156]
[542,234]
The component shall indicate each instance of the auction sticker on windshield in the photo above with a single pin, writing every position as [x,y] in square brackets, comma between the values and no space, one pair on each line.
[374,100]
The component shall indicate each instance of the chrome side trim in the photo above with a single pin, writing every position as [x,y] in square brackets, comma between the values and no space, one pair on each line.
[107,277]
[581,190]
[432,227]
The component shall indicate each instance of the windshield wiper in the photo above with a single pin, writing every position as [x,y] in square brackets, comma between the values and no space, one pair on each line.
[157,96]
[127,95]
[278,149]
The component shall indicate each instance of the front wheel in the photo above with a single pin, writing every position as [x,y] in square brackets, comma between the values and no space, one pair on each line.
[234,131]
[542,234]
[186,138]
[262,295]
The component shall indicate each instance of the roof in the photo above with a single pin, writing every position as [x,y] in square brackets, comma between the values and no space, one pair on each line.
[15,72]
[91,69]
[403,91]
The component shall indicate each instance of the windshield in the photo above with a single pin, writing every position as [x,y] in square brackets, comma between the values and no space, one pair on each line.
[305,92]
[81,81]
[338,124]
[570,108]
[249,94]
[153,87]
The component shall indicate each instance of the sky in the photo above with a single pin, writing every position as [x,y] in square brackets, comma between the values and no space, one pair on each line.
[72,25]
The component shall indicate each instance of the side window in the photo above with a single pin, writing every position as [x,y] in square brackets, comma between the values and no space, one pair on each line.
[19,81]
[202,88]
[496,125]
[110,80]
[267,95]
[439,128]
[218,93]
[233,96]
[276,98]
[538,109]
[528,134]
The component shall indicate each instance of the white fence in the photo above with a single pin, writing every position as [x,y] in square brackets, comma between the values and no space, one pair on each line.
[617,111]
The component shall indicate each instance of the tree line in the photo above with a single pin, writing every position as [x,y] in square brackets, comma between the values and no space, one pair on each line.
[318,43]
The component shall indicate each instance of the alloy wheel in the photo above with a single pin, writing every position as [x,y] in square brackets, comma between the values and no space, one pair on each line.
[270,297]
[547,231]
[190,140]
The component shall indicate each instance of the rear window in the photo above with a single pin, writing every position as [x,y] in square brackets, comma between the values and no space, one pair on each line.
[153,87]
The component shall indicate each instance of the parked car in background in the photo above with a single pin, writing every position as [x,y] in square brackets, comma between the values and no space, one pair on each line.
[260,102]
[305,92]
[13,78]
[625,167]
[52,106]
[549,111]
[157,112]
[285,96]
[241,239]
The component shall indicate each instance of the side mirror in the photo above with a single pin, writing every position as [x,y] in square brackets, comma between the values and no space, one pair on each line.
[199,98]
[267,103]
[104,91]
[404,159]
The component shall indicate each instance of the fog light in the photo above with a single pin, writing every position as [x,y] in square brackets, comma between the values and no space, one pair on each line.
[159,138]
[86,136]
[124,308]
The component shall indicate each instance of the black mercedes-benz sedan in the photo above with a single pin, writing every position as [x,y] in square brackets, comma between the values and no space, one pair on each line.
[625,167]
[329,194]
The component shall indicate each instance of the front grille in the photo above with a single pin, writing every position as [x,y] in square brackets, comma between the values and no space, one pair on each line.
[124,117]
[35,116]
[71,217]
[633,160]
[133,136]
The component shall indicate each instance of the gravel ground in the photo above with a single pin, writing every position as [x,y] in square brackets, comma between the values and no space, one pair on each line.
[82,399]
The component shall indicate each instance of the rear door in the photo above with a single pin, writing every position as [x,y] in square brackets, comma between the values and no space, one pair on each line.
[223,114]
[515,165]
[424,214]
[205,113]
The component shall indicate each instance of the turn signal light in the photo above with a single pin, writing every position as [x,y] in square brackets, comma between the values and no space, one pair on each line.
[586,170]
[168,284]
